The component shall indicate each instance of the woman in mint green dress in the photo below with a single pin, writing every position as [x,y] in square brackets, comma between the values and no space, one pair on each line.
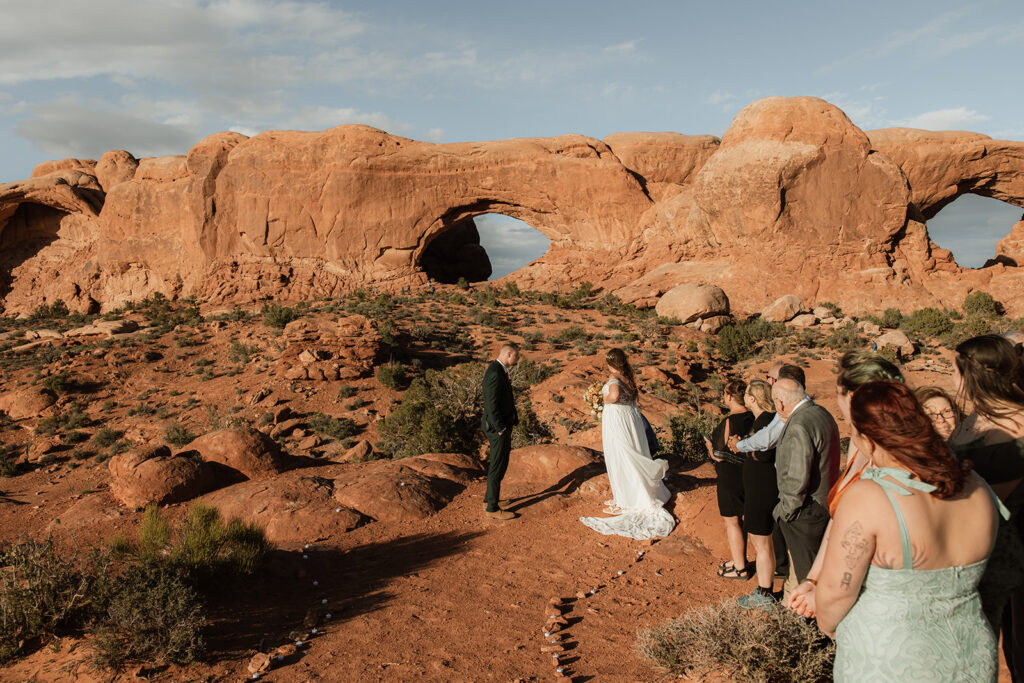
[898,588]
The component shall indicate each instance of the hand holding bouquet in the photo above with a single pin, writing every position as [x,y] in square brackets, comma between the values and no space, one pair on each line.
[594,399]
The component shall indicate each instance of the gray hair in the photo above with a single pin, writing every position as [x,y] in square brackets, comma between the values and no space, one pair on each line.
[1014,336]
[789,391]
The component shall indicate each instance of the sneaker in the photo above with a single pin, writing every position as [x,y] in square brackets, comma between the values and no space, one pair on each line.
[757,600]
[500,514]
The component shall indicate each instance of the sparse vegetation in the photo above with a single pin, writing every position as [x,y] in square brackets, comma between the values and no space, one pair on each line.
[178,435]
[748,645]
[927,322]
[277,316]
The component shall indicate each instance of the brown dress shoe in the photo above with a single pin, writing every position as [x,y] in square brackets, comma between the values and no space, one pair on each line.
[501,504]
[501,514]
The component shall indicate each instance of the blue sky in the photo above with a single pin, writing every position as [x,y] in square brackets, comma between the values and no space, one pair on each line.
[80,78]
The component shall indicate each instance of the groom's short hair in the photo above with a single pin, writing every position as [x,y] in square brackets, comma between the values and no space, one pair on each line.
[508,346]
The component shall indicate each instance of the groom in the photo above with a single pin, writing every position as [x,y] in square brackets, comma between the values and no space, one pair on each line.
[500,417]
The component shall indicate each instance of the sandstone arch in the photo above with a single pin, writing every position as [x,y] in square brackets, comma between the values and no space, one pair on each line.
[793,199]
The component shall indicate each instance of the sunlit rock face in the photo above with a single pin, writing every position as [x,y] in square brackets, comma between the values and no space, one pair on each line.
[794,199]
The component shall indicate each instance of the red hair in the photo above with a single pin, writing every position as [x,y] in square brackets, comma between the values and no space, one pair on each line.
[889,414]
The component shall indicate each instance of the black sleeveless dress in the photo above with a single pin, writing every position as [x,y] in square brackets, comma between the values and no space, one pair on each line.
[730,475]
[760,486]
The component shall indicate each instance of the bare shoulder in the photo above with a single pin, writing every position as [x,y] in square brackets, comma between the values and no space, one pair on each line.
[863,500]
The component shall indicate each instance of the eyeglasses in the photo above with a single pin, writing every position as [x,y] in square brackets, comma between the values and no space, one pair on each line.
[946,414]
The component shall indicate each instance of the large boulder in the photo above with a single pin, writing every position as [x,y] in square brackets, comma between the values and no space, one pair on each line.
[897,339]
[390,492]
[783,309]
[247,453]
[689,302]
[26,402]
[152,475]
[296,507]
[550,465]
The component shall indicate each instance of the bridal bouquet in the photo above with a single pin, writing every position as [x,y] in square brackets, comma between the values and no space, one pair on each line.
[594,399]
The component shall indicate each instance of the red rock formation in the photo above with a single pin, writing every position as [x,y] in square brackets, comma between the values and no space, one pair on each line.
[793,199]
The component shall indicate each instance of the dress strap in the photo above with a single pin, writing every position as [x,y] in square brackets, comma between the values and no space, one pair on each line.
[884,476]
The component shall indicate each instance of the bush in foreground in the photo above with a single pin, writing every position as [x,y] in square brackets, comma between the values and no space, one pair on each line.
[748,645]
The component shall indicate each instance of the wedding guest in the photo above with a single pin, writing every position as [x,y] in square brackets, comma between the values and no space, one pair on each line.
[806,465]
[939,407]
[760,495]
[855,368]
[499,418]
[898,588]
[729,472]
[988,373]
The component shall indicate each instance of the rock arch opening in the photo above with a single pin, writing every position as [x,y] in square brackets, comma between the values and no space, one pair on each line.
[510,243]
[482,247]
[975,229]
[29,230]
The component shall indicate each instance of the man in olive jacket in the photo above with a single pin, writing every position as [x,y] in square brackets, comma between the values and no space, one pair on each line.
[500,417]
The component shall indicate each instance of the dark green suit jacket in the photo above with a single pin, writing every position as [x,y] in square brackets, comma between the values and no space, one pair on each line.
[499,403]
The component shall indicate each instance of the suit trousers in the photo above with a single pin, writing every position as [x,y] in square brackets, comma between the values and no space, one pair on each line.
[803,536]
[497,463]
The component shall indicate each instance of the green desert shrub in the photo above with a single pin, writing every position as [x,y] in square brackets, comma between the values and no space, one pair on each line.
[725,641]
[686,435]
[277,316]
[155,616]
[338,428]
[392,375]
[526,373]
[739,340]
[44,594]
[8,461]
[178,435]
[982,304]
[927,322]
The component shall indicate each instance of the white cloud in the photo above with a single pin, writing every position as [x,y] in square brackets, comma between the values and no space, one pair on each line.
[959,118]
[719,97]
[627,47]
[321,118]
[247,132]
[73,128]
[435,135]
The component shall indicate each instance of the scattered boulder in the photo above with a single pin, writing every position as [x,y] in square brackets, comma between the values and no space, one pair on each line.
[26,402]
[898,339]
[243,450]
[822,313]
[358,453]
[689,302]
[550,464]
[39,448]
[104,327]
[804,320]
[714,324]
[153,475]
[295,507]
[868,327]
[783,309]
[92,510]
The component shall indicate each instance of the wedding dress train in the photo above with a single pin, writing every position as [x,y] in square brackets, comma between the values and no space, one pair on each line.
[635,478]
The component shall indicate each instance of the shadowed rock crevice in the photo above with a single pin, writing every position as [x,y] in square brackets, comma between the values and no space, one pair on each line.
[456,253]
[30,229]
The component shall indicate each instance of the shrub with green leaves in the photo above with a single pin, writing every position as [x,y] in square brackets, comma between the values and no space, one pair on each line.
[927,322]
[391,375]
[339,428]
[982,304]
[739,341]
[686,435]
[57,383]
[747,645]
[154,616]
[277,316]
[178,435]
[8,462]
[44,594]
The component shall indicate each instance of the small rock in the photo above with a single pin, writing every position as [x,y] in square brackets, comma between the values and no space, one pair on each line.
[259,663]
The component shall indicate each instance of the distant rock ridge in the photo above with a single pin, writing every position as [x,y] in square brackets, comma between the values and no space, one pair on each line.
[794,199]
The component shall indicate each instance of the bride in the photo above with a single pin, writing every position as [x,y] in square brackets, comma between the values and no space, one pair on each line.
[638,493]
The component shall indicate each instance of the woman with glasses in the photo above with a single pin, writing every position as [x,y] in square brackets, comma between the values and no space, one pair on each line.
[938,407]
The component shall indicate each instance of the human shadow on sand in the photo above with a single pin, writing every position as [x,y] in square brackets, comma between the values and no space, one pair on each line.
[263,612]
[563,487]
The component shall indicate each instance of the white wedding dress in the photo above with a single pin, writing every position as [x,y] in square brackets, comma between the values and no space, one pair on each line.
[638,493]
